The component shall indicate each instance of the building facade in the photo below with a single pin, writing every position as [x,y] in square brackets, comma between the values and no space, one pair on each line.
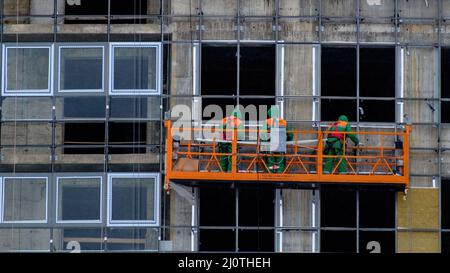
[86,86]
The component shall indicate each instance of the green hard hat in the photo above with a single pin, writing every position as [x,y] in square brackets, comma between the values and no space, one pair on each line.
[273,111]
[343,118]
[237,113]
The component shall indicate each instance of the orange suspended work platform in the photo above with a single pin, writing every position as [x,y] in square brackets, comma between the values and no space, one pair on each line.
[198,159]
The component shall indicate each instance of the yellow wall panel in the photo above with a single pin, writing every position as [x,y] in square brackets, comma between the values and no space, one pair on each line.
[419,210]
[417,242]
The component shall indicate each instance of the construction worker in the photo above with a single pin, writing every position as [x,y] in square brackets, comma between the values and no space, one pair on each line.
[228,125]
[275,163]
[335,143]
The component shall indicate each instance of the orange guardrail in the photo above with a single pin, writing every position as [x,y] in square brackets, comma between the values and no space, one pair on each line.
[386,161]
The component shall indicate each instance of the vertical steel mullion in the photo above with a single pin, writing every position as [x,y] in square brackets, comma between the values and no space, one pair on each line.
[319,28]
[238,52]
[237,220]
[439,120]
[54,80]
[318,217]
[396,223]
[108,28]
[162,203]
[357,219]
[357,62]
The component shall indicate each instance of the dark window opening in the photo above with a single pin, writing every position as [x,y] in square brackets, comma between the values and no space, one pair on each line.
[256,209]
[337,241]
[217,240]
[87,107]
[331,109]
[377,72]
[257,75]
[337,208]
[370,111]
[445,111]
[376,209]
[338,71]
[445,242]
[84,134]
[445,203]
[127,138]
[98,9]
[368,241]
[256,240]
[217,208]
[445,70]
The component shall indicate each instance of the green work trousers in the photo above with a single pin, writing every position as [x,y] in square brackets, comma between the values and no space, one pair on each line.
[225,160]
[334,148]
[275,163]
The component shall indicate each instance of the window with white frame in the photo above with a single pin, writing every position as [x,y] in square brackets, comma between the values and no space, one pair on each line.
[133,199]
[79,199]
[25,199]
[135,68]
[27,70]
[81,62]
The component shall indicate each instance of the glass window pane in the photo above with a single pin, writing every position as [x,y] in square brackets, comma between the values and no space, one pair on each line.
[25,199]
[89,239]
[139,107]
[133,199]
[79,199]
[132,239]
[80,107]
[81,63]
[134,68]
[27,69]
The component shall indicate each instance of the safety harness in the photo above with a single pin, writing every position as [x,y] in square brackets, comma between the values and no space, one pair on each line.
[336,133]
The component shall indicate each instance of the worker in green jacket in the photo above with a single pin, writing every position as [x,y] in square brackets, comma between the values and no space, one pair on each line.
[226,147]
[335,142]
[275,163]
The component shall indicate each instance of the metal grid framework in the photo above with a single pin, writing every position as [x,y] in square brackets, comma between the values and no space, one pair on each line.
[194,36]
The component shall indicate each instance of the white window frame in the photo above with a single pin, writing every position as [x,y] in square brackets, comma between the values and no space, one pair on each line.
[31,92]
[134,223]
[158,63]
[1,199]
[59,221]
[25,221]
[61,90]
